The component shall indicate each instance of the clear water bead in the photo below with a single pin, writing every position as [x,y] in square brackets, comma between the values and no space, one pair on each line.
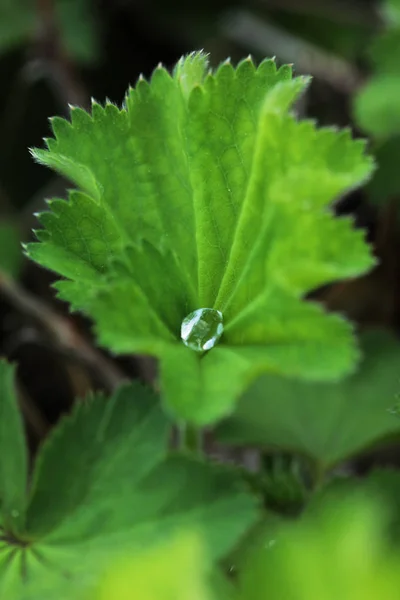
[202,329]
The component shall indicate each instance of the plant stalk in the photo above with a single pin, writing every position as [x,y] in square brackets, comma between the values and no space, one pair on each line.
[190,439]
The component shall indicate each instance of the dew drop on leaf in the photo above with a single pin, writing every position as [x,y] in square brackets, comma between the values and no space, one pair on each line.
[202,329]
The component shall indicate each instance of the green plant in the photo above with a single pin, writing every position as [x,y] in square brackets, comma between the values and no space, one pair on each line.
[376,108]
[186,202]
[201,220]
[74,19]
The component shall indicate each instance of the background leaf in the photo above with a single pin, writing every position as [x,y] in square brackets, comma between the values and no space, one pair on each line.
[328,422]
[76,19]
[340,551]
[376,108]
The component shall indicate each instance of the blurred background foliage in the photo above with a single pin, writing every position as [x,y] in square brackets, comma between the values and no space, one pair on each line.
[54,53]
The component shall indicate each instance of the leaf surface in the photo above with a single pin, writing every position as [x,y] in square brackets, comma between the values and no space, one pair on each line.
[204,191]
[13,461]
[104,485]
[338,552]
[328,422]
[177,569]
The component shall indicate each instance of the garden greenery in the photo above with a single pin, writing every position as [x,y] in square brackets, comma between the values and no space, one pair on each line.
[201,219]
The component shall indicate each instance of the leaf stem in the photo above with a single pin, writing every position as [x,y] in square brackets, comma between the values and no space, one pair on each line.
[190,438]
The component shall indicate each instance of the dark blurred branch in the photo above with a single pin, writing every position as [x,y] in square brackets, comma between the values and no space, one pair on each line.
[34,418]
[62,332]
[337,11]
[262,36]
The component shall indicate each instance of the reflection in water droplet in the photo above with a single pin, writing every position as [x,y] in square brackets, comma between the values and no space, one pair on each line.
[202,329]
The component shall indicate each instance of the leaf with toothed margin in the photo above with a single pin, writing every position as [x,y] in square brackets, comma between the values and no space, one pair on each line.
[204,191]
[104,484]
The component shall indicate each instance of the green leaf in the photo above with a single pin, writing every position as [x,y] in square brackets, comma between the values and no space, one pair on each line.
[10,250]
[11,569]
[16,19]
[142,510]
[103,486]
[13,457]
[96,456]
[177,569]
[79,29]
[391,9]
[328,422]
[204,191]
[385,485]
[376,107]
[339,552]
[74,19]
[382,484]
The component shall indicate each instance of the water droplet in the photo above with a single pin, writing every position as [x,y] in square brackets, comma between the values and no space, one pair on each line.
[202,329]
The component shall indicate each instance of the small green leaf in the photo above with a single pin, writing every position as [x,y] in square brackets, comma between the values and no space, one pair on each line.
[13,457]
[375,105]
[16,18]
[74,18]
[79,28]
[376,108]
[328,422]
[204,192]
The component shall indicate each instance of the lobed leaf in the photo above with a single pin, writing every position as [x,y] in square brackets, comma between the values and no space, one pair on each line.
[203,191]
[103,486]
